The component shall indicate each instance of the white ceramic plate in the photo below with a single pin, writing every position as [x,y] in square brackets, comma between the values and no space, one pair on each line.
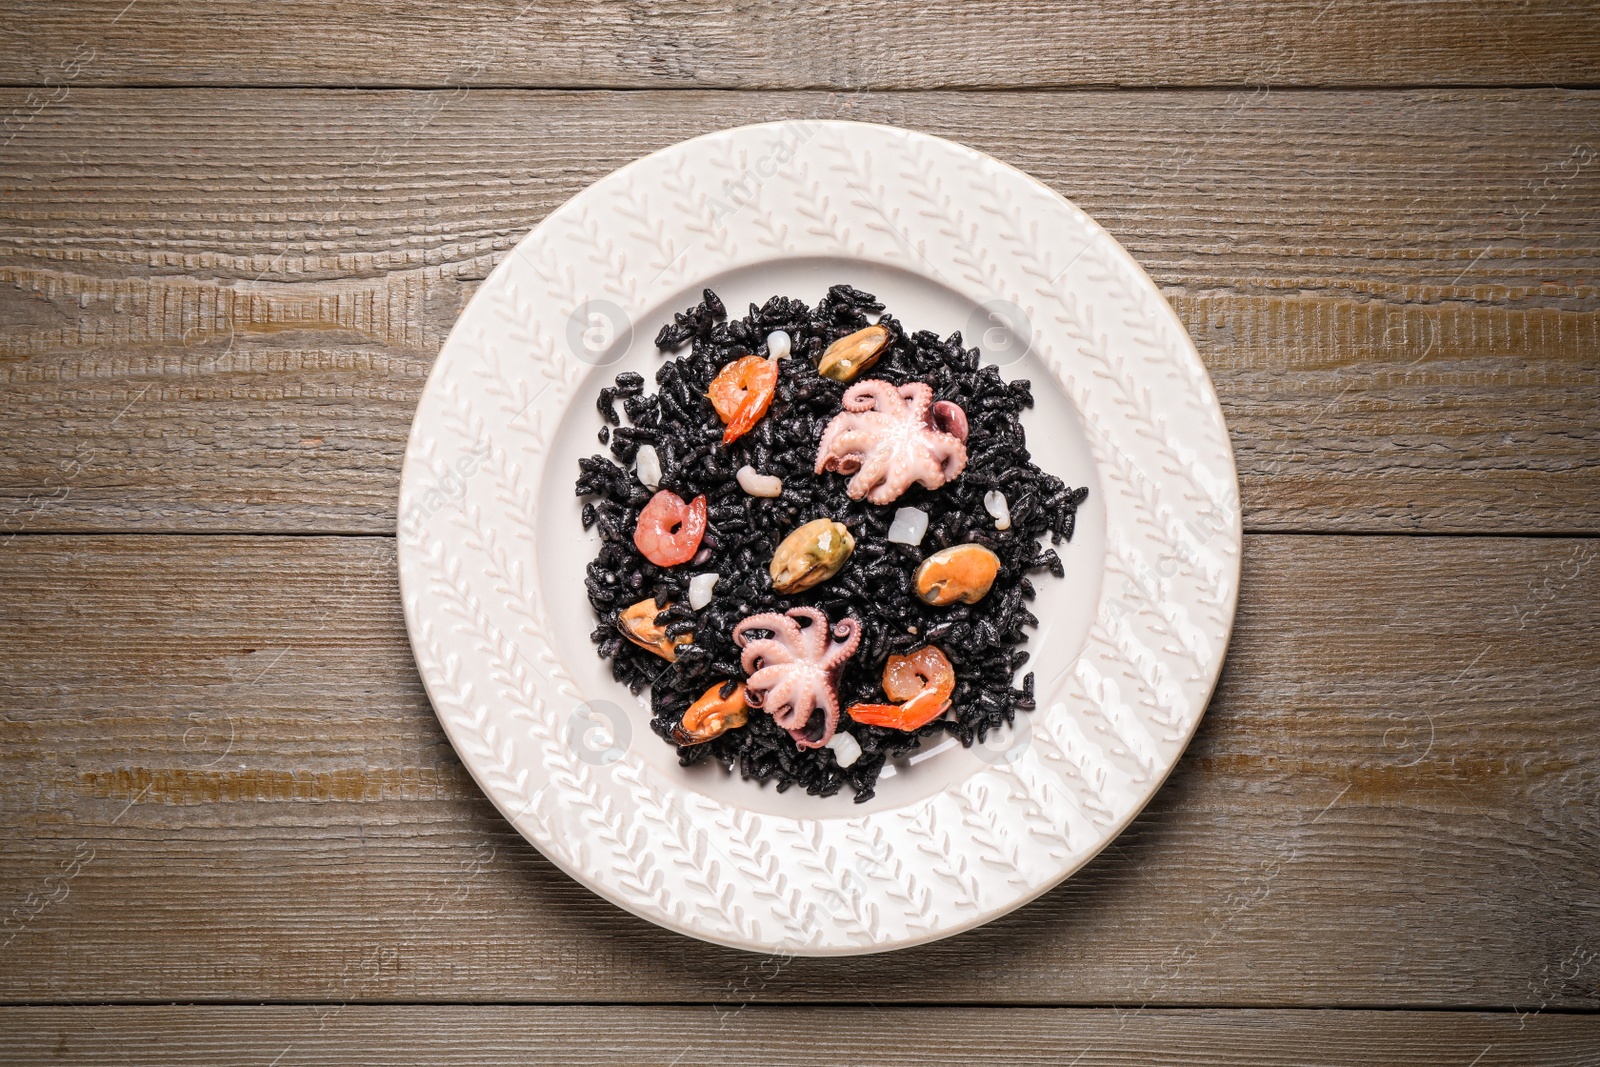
[492,552]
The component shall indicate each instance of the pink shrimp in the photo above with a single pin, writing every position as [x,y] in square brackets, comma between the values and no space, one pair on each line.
[669,530]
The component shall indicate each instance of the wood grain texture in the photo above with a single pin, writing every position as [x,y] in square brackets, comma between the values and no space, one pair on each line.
[768,44]
[663,1036]
[221,780]
[217,308]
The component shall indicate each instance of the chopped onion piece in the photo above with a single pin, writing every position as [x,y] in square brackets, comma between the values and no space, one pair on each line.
[846,749]
[994,501]
[755,483]
[908,526]
[647,465]
[700,587]
[778,345]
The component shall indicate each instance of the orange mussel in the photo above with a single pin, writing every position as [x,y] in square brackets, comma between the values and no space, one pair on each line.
[712,715]
[638,624]
[960,572]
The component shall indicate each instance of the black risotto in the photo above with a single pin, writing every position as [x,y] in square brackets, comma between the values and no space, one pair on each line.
[982,640]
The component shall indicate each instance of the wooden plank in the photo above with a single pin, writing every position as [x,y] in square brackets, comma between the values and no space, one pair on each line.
[218,308]
[699,44]
[641,1036]
[220,779]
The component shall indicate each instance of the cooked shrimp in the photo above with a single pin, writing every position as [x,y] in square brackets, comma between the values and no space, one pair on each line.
[922,683]
[741,392]
[669,530]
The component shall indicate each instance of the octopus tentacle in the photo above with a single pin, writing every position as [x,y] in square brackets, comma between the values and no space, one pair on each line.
[872,394]
[766,620]
[830,724]
[847,638]
[770,673]
[815,636]
[918,398]
[842,449]
[953,461]
[877,482]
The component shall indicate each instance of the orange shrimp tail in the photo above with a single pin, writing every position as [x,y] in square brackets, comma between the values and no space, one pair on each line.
[914,713]
[744,420]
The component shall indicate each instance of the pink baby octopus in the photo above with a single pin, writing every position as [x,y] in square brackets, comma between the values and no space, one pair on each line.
[889,437]
[796,670]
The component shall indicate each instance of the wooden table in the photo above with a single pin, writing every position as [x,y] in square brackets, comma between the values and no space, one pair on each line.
[233,239]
